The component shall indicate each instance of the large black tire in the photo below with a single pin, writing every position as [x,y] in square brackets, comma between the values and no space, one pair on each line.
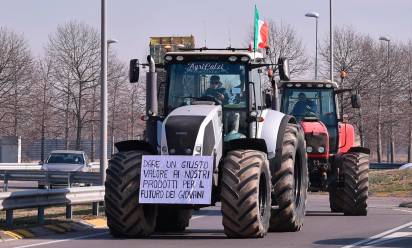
[245,194]
[355,169]
[335,199]
[173,219]
[127,218]
[335,191]
[290,183]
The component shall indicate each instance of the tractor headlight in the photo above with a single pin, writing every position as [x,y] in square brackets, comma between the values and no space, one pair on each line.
[188,151]
[164,149]
[309,149]
[172,151]
[321,149]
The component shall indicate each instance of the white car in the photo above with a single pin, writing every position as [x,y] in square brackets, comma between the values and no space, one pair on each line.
[65,161]
[406,166]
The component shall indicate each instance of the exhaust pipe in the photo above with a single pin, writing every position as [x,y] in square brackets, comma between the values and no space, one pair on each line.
[151,103]
[151,88]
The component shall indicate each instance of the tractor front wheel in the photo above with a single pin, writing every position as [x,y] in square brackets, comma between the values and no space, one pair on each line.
[245,194]
[127,218]
[290,183]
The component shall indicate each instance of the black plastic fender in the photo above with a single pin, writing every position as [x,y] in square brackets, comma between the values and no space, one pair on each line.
[130,145]
[360,149]
[246,143]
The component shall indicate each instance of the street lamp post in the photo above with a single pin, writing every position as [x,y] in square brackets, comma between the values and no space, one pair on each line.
[391,141]
[103,90]
[331,39]
[316,16]
[112,41]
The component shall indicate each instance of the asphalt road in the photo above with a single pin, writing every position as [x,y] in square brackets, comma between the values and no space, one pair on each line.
[385,226]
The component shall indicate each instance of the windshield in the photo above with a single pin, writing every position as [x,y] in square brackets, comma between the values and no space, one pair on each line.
[65,158]
[310,103]
[317,103]
[221,82]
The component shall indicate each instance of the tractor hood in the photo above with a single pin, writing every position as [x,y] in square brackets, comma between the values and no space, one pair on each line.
[192,130]
[317,138]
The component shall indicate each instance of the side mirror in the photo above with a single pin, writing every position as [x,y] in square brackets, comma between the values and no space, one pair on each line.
[355,101]
[134,71]
[268,100]
[283,65]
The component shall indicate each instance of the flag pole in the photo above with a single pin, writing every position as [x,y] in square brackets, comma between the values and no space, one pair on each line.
[254,32]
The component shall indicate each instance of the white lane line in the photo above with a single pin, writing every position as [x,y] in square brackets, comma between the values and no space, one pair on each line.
[402,210]
[387,239]
[198,216]
[380,235]
[63,240]
[82,237]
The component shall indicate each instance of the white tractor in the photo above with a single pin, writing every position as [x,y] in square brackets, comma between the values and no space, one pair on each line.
[226,144]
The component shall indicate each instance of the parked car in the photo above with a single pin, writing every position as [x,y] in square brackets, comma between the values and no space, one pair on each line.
[65,161]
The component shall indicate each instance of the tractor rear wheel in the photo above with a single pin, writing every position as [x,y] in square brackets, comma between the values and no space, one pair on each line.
[127,218]
[355,169]
[172,219]
[290,183]
[245,194]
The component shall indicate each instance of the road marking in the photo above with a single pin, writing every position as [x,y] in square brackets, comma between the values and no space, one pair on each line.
[97,223]
[81,237]
[378,236]
[197,217]
[403,210]
[25,233]
[63,240]
[387,239]
[13,234]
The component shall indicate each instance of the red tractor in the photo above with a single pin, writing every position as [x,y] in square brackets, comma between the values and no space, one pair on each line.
[335,163]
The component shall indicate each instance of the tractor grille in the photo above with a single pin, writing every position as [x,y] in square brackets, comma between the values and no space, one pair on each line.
[315,142]
[181,133]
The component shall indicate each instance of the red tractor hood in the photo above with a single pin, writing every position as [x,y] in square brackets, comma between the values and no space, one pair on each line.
[315,127]
[316,136]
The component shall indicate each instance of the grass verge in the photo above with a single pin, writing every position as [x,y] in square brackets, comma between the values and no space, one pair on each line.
[397,183]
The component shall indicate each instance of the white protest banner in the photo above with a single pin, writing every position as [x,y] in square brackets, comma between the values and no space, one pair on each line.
[176,179]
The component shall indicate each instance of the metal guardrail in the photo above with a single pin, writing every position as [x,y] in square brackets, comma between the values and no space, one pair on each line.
[34,166]
[384,166]
[40,199]
[20,166]
[48,178]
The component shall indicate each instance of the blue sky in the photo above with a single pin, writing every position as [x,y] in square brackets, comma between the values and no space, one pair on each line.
[132,22]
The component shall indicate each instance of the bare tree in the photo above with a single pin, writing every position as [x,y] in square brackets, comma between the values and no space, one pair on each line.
[15,74]
[117,75]
[284,42]
[43,96]
[75,49]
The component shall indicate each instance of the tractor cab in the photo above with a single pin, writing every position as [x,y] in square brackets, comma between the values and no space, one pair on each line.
[314,105]
[216,77]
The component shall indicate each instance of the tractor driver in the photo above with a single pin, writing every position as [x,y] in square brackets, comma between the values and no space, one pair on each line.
[216,90]
[303,106]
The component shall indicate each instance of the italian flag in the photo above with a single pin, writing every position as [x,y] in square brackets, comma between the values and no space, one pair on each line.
[261,32]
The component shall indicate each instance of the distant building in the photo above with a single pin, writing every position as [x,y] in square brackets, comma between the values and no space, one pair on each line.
[160,45]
